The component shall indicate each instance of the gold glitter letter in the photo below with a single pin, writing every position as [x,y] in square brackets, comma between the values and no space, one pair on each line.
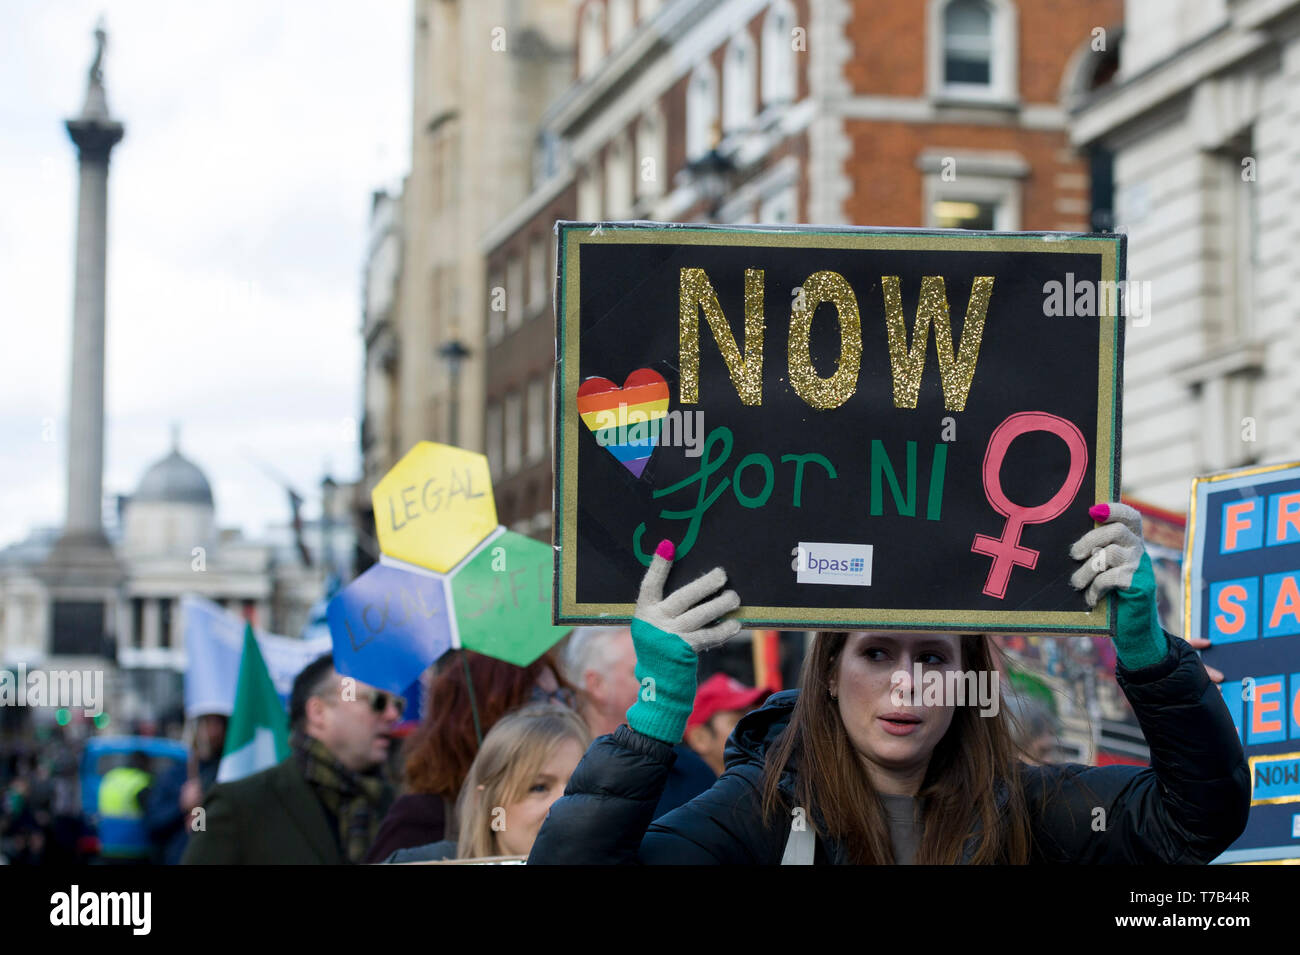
[907,364]
[746,371]
[830,392]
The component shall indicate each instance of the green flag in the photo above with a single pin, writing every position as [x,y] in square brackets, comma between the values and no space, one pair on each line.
[258,736]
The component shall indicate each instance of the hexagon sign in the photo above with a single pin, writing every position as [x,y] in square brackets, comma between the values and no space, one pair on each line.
[502,597]
[388,625]
[434,506]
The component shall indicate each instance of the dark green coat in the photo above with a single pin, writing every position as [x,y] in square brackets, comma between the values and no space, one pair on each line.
[269,818]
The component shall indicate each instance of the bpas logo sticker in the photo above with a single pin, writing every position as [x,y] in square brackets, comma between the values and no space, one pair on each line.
[821,563]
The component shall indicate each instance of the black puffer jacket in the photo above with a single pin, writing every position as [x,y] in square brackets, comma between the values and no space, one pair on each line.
[1186,809]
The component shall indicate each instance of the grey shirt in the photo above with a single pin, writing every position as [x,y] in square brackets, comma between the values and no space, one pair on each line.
[904,828]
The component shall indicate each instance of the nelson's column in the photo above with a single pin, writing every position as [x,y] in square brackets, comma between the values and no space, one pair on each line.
[83,574]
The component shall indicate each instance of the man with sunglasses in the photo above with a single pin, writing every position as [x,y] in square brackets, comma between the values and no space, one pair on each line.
[323,804]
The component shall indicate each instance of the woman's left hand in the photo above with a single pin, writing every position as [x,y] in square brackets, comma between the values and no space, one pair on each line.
[1115,560]
[1200,643]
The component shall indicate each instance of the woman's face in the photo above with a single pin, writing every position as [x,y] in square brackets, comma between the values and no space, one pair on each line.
[524,818]
[895,741]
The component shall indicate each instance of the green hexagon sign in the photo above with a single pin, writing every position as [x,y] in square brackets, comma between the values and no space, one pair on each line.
[502,597]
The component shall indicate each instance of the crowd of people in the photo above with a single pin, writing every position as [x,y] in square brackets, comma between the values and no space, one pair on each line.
[605,750]
[478,775]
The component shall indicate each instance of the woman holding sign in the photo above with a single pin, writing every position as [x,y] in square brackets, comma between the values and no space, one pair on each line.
[840,772]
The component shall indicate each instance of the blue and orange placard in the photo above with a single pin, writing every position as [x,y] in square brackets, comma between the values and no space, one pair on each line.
[890,429]
[1242,592]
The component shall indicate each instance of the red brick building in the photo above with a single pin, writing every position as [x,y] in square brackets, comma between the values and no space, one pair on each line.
[940,113]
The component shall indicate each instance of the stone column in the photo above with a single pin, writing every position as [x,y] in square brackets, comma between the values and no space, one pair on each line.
[95,135]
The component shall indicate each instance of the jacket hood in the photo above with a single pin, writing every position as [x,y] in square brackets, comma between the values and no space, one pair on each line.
[760,729]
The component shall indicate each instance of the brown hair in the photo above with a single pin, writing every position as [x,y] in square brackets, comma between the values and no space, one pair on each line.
[440,751]
[974,756]
[510,759]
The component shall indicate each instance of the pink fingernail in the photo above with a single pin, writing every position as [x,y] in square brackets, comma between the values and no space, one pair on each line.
[665,550]
[1099,512]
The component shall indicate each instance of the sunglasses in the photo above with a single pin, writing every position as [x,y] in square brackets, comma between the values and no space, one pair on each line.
[380,700]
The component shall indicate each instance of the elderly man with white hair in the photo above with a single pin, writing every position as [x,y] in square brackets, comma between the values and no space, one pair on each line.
[600,662]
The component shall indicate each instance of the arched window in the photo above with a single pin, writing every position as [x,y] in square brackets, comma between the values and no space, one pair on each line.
[650,168]
[968,43]
[973,49]
[622,19]
[778,54]
[701,111]
[591,38]
[738,78]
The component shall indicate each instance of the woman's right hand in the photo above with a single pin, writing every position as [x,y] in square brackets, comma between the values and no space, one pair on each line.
[685,612]
[667,633]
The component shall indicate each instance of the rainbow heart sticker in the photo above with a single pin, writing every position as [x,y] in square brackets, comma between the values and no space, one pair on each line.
[625,420]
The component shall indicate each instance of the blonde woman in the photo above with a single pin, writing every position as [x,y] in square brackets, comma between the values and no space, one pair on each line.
[521,769]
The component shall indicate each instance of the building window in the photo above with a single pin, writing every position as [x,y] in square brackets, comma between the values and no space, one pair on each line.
[964,213]
[701,112]
[514,291]
[497,300]
[1240,215]
[589,193]
[968,43]
[779,209]
[650,155]
[778,54]
[618,179]
[622,18]
[538,270]
[972,190]
[493,436]
[738,78]
[972,49]
[538,414]
[513,433]
[165,622]
[137,622]
[591,38]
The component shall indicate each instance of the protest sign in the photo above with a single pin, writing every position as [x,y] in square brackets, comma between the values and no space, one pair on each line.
[434,506]
[503,599]
[1242,592]
[770,400]
[388,625]
[214,641]
[448,577]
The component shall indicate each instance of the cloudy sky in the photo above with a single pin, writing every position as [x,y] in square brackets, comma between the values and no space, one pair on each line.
[256,131]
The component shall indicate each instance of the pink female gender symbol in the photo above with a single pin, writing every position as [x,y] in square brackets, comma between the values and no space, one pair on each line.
[1006,550]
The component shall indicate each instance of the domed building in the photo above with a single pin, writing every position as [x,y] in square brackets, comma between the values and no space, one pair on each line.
[170,546]
[172,507]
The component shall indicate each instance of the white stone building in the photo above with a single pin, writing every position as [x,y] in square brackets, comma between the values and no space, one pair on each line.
[169,544]
[1203,119]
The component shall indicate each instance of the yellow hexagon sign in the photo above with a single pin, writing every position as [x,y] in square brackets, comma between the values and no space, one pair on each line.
[434,506]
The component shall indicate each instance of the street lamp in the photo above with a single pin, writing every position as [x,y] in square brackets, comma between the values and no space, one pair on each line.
[711,174]
[453,353]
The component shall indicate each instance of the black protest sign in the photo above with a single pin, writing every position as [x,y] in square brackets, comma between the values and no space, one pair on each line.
[864,428]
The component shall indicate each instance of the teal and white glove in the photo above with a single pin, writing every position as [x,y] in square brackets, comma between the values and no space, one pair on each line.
[1115,559]
[667,633]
